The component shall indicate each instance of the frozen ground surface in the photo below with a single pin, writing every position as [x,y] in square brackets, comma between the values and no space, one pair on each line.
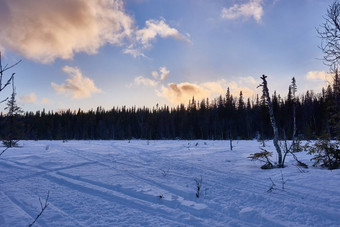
[141,183]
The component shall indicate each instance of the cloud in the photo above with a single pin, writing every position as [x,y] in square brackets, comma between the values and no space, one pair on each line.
[77,86]
[253,8]
[162,75]
[183,92]
[235,89]
[158,78]
[140,80]
[46,101]
[30,98]
[316,80]
[319,76]
[44,30]
[153,29]
[134,52]
[247,85]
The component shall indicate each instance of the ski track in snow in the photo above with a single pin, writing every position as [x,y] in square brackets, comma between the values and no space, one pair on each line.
[119,183]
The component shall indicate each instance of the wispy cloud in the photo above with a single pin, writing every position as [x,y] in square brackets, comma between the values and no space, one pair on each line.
[30,98]
[133,51]
[316,80]
[46,101]
[153,29]
[162,74]
[140,80]
[44,30]
[77,86]
[158,77]
[253,8]
[319,76]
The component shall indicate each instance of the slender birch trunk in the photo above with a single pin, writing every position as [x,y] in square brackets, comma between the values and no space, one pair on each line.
[272,120]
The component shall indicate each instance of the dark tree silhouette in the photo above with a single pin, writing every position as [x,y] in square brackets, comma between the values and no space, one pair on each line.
[12,123]
[329,32]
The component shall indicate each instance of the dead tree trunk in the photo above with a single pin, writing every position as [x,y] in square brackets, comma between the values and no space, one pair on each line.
[294,89]
[272,120]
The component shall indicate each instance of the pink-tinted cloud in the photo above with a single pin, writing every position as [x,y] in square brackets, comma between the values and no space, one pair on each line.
[183,92]
[30,98]
[77,86]
[44,30]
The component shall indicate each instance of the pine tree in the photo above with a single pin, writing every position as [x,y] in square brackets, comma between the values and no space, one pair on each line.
[13,126]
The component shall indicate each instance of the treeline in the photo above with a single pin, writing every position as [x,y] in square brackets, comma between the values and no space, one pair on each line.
[222,118]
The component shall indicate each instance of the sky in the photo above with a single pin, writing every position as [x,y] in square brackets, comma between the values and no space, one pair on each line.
[90,53]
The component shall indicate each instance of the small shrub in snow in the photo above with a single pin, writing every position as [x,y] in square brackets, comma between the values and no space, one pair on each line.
[326,153]
[165,172]
[272,187]
[10,143]
[294,147]
[264,157]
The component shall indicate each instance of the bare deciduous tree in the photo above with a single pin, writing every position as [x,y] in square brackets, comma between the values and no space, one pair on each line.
[329,32]
[264,85]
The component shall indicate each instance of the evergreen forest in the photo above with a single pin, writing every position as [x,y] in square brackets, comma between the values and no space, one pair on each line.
[226,117]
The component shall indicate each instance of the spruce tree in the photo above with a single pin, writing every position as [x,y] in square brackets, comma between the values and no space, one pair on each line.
[13,126]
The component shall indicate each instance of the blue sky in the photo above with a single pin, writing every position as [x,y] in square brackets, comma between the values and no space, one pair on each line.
[89,53]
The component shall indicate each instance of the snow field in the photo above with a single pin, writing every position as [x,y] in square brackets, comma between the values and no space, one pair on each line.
[151,183]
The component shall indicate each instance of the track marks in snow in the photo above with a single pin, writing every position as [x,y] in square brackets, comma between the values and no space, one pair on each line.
[119,183]
[122,196]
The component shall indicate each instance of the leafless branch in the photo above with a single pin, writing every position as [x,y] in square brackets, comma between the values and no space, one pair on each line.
[43,207]
[4,151]
[4,100]
[2,70]
[329,33]
[272,187]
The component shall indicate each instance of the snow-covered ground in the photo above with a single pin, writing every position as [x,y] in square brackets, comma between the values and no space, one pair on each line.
[151,183]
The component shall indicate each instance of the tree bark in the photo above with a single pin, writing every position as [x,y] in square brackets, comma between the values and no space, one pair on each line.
[272,121]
